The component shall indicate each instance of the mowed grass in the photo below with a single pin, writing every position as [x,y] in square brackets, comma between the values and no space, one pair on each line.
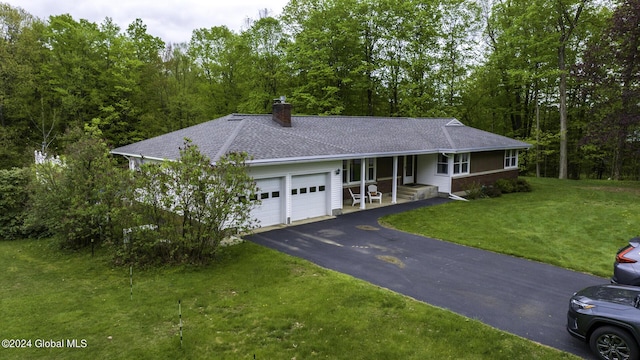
[252,303]
[578,225]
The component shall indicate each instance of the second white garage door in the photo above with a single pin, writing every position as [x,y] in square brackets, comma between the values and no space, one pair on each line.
[308,196]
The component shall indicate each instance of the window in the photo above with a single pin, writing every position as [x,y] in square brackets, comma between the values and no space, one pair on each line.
[443,164]
[461,163]
[371,169]
[352,169]
[510,158]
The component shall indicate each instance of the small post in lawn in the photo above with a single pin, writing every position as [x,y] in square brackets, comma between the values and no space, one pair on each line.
[180,317]
[131,281]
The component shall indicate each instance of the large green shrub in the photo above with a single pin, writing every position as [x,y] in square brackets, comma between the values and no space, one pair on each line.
[508,186]
[81,201]
[501,186]
[14,197]
[188,207]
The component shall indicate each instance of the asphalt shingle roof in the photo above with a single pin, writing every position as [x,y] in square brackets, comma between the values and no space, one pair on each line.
[318,137]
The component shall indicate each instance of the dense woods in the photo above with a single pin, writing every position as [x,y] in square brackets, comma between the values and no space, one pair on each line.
[561,74]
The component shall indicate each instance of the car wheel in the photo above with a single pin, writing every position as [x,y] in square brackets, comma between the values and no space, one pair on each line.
[612,343]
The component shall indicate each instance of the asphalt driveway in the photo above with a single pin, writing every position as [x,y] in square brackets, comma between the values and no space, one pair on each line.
[522,297]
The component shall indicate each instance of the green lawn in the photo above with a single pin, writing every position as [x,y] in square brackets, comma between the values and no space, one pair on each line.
[252,302]
[578,225]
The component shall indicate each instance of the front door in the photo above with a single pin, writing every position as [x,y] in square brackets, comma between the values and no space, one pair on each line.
[408,175]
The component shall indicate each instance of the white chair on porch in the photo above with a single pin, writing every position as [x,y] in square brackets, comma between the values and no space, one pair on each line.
[357,198]
[374,194]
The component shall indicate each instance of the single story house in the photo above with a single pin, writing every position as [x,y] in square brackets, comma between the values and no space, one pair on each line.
[305,165]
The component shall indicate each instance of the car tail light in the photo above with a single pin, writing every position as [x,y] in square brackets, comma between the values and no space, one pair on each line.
[621,258]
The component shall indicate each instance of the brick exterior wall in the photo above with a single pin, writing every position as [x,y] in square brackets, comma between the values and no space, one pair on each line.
[282,113]
[462,184]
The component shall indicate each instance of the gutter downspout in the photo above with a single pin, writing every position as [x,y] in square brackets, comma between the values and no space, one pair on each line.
[456,197]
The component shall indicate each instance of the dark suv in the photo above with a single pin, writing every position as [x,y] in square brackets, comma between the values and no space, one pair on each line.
[608,318]
[626,268]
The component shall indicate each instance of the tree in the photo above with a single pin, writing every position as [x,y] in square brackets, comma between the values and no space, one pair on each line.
[567,17]
[527,76]
[613,91]
[325,54]
[264,76]
[80,201]
[460,24]
[513,92]
[20,59]
[191,205]
[147,79]
[14,196]
[214,51]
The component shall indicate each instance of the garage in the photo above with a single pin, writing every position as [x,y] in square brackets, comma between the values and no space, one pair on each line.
[270,212]
[308,196]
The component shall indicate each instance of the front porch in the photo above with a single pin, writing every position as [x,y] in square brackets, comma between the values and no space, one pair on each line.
[405,193]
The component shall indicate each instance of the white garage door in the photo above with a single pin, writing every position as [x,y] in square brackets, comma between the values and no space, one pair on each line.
[308,196]
[270,212]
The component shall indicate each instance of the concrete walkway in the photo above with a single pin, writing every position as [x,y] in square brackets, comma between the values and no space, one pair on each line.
[526,298]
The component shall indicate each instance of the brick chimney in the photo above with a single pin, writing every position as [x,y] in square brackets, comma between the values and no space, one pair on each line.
[282,112]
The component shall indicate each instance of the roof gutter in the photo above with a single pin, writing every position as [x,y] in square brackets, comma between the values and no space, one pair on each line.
[140,156]
[373,155]
[306,159]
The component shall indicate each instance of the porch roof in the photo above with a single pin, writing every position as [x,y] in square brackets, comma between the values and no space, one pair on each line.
[313,138]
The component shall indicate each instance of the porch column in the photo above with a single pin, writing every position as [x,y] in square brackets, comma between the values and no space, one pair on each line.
[394,183]
[363,172]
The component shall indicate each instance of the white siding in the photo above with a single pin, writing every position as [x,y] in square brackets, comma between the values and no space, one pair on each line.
[426,174]
[325,170]
[270,211]
[309,196]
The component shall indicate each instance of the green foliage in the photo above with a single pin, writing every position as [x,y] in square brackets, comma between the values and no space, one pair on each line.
[264,74]
[475,191]
[611,139]
[80,200]
[507,186]
[14,197]
[522,185]
[350,57]
[189,207]
[492,191]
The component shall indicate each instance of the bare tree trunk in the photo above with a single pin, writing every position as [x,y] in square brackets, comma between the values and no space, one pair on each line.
[537,133]
[566,25]
[563,112]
